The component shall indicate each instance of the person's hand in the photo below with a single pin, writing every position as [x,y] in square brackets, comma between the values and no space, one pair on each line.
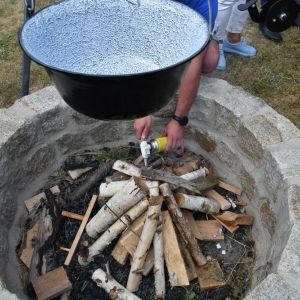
[142,127]
[174,132]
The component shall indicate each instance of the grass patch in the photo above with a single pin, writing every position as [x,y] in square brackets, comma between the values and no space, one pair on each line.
[273,74]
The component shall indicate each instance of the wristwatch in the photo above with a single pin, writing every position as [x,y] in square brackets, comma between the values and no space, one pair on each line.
[181,120]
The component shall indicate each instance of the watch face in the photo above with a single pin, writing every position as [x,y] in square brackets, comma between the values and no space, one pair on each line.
[184,121]
[181,120]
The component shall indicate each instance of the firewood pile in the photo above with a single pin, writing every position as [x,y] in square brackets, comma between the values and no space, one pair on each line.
[147,213]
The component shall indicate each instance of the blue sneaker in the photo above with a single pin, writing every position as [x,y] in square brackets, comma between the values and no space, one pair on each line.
[222,60]
[241,48]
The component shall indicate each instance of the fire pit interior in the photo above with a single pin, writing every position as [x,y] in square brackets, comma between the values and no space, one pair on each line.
[249,146]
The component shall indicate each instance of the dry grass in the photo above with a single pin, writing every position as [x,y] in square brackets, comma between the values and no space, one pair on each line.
[273,74]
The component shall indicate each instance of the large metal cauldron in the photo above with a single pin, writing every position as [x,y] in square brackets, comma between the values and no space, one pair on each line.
[115,59]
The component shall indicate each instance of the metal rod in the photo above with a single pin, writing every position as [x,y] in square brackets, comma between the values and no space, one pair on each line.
[29,6]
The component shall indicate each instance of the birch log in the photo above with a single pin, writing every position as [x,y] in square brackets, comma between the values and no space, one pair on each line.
[109,189]
[197,203]
[112,287]
[115,208]
[135,274]
[127,168]
[159,269]
[113,231]
[182,225]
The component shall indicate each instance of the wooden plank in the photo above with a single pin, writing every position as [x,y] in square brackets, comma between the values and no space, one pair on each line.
[211,276]
[208,229]
[72,215]
[241,203]
[236,219]
[191,222]
[212,194]
[52,284]
[206,183]
[230,188]
[27,253]
[80,230]
[149,262]
[74,174]
[129,239]
[175,263]
[186,168]
[120,253]
[31,203]
[229,227]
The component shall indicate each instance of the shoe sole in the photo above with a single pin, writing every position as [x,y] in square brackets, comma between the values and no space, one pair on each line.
[237,52]
[220,68]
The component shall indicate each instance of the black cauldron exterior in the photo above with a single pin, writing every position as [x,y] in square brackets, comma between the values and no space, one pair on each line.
[115,59]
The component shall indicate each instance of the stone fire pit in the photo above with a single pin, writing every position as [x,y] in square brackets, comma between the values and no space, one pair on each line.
[257,150]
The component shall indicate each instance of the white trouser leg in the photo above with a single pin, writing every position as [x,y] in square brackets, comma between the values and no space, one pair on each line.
[237,18]
[229,17]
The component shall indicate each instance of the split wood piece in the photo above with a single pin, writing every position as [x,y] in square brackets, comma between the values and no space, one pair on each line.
[64,248]
[159,269]
[176,181]
[191,222]
[45,231]
[80,230]
[149,262]
[230,188]
[31,203]
[113,231]
[206,183]
[68,214]
[92,181]
[209,231]
[211,276]
[145,241]
[241,203]
[195,164]
[127,168]
[74,174]
[236,219]
[138,160]
[55,214]
[52,284]
[117,176]
[182,225]
[212,194]
[107,190]
[229,227]
[129,239]
[120,254]
[112,287]
[27,253]
[65,295]
[115,208]
[174,261]
[191,268]
[181,170]
[197,203]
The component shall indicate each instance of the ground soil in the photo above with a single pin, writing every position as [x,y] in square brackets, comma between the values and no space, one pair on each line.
[236,262]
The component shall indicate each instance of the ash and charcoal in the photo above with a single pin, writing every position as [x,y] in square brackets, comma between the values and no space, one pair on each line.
[236,254]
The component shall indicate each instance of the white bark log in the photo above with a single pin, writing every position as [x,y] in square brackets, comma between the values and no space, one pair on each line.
[112,287]
[113,231]
[159,270]
[127,168]
[109,189]
[202,172]
[197,203]
[135,274]
[114,208]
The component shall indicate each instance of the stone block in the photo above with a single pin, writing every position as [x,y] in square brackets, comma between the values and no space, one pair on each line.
[46,104]
[205,140]
[249,183]
[40,160]
[281,161]
[231,106]
[273,287]
[227,155]
[289,266]
[72,142]
[106,132]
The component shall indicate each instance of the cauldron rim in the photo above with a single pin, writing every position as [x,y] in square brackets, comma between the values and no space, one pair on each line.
[108,75]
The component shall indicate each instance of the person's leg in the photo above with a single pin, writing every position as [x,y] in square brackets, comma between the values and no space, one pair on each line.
[271,35]
[233,42]
[223,16]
